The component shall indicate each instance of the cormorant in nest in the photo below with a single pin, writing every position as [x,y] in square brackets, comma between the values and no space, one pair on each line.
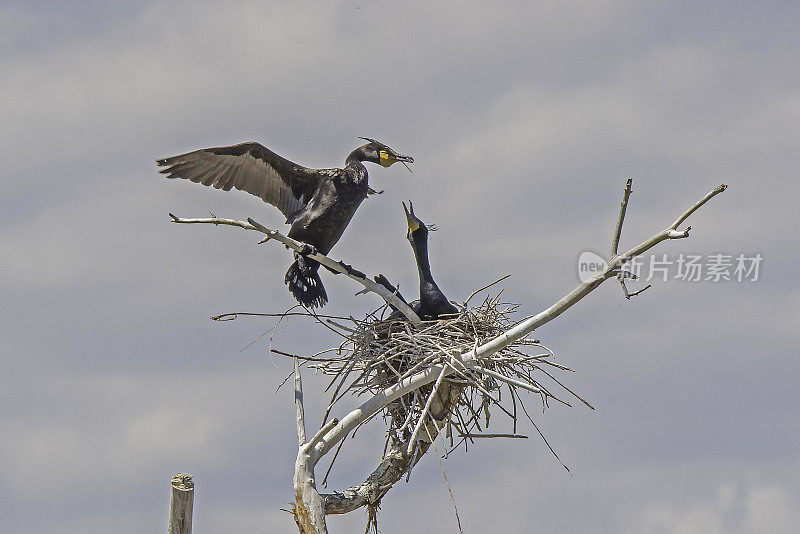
[432,302]
[432,305]
[318,203]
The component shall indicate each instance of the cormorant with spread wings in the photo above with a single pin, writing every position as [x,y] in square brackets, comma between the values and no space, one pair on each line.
[318,203]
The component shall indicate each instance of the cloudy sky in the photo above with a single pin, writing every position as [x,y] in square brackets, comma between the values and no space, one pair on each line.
[525,119]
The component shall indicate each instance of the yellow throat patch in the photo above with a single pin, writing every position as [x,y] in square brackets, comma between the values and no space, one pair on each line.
[385,159]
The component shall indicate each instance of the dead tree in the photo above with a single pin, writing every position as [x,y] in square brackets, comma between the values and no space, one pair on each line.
[425,377]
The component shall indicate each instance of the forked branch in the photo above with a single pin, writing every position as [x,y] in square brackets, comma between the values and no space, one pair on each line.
[297,246]
[471,359]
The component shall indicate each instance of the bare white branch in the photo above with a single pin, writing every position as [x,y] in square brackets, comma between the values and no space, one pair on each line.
[298,404]
[216,221]
[471,358]
[297,246]
[717,190]
[623,207]
[322,431]
[309,512]
[425,410]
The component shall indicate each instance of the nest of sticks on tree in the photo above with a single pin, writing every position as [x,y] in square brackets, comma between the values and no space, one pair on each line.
[376,353]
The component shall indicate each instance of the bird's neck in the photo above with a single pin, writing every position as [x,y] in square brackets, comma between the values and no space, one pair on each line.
[355,158]
[432,301]
[355,169]
[423,265]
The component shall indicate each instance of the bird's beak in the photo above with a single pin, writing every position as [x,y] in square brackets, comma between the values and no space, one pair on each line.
[413,225]
[388,157]
[403,159]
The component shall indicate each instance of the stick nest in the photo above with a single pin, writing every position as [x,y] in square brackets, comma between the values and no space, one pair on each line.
[376,353]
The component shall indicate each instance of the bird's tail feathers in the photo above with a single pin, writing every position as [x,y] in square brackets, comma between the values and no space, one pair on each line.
[305,284]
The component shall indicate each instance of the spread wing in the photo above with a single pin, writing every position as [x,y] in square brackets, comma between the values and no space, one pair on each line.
[249,167]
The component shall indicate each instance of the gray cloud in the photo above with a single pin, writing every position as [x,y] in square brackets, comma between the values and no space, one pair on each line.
[525,119]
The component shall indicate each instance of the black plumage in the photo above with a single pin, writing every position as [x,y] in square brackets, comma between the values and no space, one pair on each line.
[432,303]
[318,203]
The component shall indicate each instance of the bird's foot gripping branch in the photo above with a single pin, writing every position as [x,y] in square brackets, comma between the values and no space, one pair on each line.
[299,247]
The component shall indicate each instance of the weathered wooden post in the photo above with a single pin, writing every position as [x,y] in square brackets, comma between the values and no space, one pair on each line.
[180,504]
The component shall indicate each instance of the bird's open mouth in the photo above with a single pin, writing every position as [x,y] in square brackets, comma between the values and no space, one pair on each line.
[413,225]
[404,160]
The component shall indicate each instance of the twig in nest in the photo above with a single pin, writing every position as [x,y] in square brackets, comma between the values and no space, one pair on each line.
[376,354]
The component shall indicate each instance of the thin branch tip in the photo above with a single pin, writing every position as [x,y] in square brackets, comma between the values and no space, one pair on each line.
[629,295]
[623,207]
[711,194]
